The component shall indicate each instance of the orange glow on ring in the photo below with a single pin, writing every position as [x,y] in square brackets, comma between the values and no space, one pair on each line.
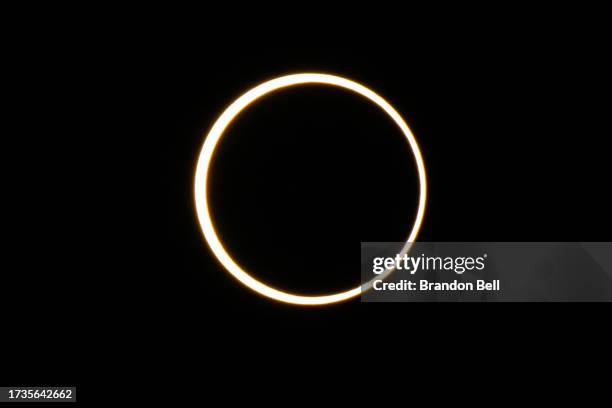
[205,158]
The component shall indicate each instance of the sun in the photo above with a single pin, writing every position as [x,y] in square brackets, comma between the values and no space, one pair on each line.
[206,155]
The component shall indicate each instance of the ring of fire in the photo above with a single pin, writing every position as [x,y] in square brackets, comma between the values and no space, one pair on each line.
[208,149]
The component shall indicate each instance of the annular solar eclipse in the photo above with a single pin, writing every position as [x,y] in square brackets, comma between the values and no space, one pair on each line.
[208,150]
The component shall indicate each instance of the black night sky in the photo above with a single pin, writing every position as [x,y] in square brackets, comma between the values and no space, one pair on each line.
[108,277]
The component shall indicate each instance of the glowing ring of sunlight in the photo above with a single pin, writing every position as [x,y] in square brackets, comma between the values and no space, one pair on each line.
[206,154]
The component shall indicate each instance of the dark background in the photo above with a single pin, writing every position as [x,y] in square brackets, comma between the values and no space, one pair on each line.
[110,279]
